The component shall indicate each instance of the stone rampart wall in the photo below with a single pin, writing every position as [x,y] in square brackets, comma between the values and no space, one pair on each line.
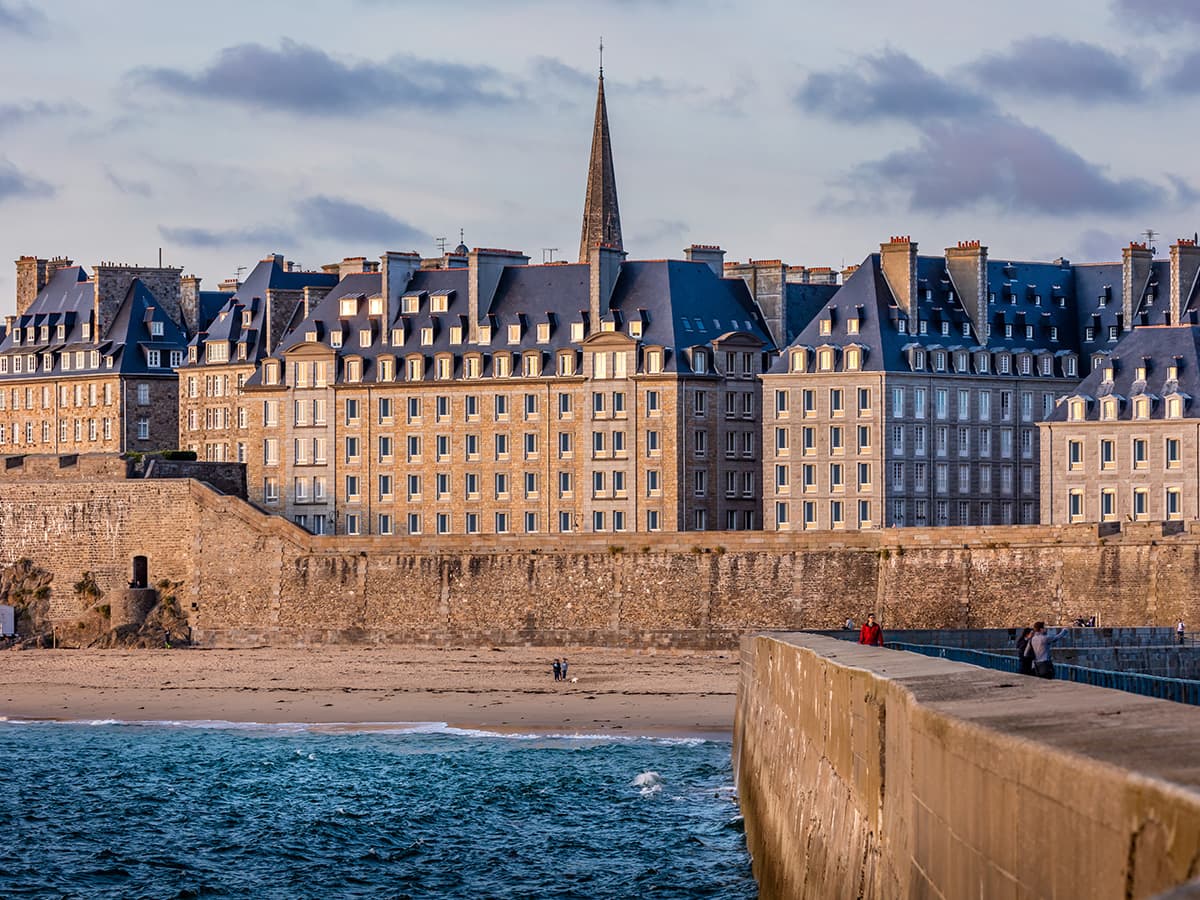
[873,773]
[252,578]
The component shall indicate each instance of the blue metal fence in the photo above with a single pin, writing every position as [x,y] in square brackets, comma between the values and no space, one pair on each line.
[1179,690]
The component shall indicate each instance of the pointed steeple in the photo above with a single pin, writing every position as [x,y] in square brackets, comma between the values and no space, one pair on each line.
[601,218]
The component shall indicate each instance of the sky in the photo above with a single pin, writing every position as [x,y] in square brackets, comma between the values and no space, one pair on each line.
[810,132]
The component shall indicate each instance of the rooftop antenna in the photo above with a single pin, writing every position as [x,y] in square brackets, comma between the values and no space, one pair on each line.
[1150,235]
[548,254]
[237,276]
[160,257]
[441,242]
[601,57]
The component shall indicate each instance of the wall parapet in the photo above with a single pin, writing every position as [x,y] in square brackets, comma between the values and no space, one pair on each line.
[876,773]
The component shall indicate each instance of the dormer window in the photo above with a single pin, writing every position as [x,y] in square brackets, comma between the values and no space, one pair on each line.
[217,352]
[923,327]
[826,326]
[918,359]
[543,333]
[311,336]
[531,365]
[154,359]
[514,334]
[1026,364]
[825,360]
[1054,332]
[1141,408]
[87,331]
[271,373]
[1002,363]
[61,332]
[335,338]
[456,335]
[44,333]
[439,303]
[1108,409]
[397,337]
[577,332]
[966,329]
[982,363]
[796,362]
[852,326]
[156,329]
[1140,374]
[192,353]
[364,337]
[1103,300]
[939,361]
[1008,329]
[1107,377]
[1071,366]
[242,350]
[902,326]
[471,367]
[354,370]
[654,362]
[1172,373]
[1077,409]
[410,303]
[946,329]
[1174,407]
[610,325]
[47,362]
[415,368]
[485,334]
[1047,365]
[427,337]
[635,329]
[375,306]
[347,306]
[247,318]
[853,359]
[566,363]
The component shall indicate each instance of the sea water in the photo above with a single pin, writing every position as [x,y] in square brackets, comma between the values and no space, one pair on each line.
[161,810]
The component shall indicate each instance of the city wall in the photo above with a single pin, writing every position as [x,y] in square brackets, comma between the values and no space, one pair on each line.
[249,578]
[873,773]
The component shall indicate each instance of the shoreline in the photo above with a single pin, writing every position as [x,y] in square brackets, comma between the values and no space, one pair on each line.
[502,691]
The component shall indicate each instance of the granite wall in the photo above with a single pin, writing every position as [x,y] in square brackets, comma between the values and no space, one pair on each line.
[874,773]
[252,578]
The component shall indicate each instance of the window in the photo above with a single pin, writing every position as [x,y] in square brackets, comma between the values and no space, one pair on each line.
[1173,456]
[1075,505]
[143,429]
[1141,504]
[1140,453]
[1074,455]
[808,402]
[143,395]
[1108,504]
[864,401]
[864,438]
[1174,503]
[836,407]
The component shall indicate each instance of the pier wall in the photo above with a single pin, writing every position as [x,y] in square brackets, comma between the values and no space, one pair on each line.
[251,578]
[873,773]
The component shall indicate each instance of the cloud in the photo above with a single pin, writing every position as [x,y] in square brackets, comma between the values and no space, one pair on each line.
[15,183]
[1162,14]
[303,79]
[1183,74]
[331,217]
[1096,245]
[14,114]
[1000,161]
[128,185]
[1056,67]
[656,231]
[192,236]
[21,18]
[890,84]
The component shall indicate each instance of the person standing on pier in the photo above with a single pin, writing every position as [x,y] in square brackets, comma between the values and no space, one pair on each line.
[871,633]
[1180,631]
[1039,648]
[1024,659]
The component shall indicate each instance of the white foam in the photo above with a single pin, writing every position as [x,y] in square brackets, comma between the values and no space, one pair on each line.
[648,782]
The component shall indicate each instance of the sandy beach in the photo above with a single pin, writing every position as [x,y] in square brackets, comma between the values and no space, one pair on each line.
[499,689]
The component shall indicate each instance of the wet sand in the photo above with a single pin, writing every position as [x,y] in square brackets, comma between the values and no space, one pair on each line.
[500,689]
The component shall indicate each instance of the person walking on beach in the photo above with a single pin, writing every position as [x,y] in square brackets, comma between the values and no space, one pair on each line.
[557,670]
[1024,661]
[849,624]
[1180,631]
[564,668]
[871,633]
[1040,644]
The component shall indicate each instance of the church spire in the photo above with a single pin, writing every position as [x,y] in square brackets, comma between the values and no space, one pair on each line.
[601,218]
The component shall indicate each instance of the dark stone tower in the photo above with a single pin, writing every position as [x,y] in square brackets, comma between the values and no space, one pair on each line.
[601,218]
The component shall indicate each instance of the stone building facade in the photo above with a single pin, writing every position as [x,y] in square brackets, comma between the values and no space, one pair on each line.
[86,363]
[1125,446]
[214,420]
[912,397]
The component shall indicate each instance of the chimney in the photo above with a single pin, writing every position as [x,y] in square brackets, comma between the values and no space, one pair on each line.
[967,265]
[396,271]
[313,294]
[1185,265]
[846,273]
[229,286]
[112,282]
[898,259]
[189,303]
[33,274]
[353,265]
[709,254]
[605,264]
[1135,274]
[767,280]
[484,268]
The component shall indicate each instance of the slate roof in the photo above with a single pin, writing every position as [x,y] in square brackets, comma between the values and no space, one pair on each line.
[1157,348]
[1033,298]
[227,322]
[68,300]
[681,305]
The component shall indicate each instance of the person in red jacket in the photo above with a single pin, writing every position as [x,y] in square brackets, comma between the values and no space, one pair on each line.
[871,633]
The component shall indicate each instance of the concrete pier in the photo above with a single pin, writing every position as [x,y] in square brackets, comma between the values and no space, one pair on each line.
[867,772]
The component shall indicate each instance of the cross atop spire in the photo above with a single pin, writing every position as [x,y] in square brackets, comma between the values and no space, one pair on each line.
[601,217]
